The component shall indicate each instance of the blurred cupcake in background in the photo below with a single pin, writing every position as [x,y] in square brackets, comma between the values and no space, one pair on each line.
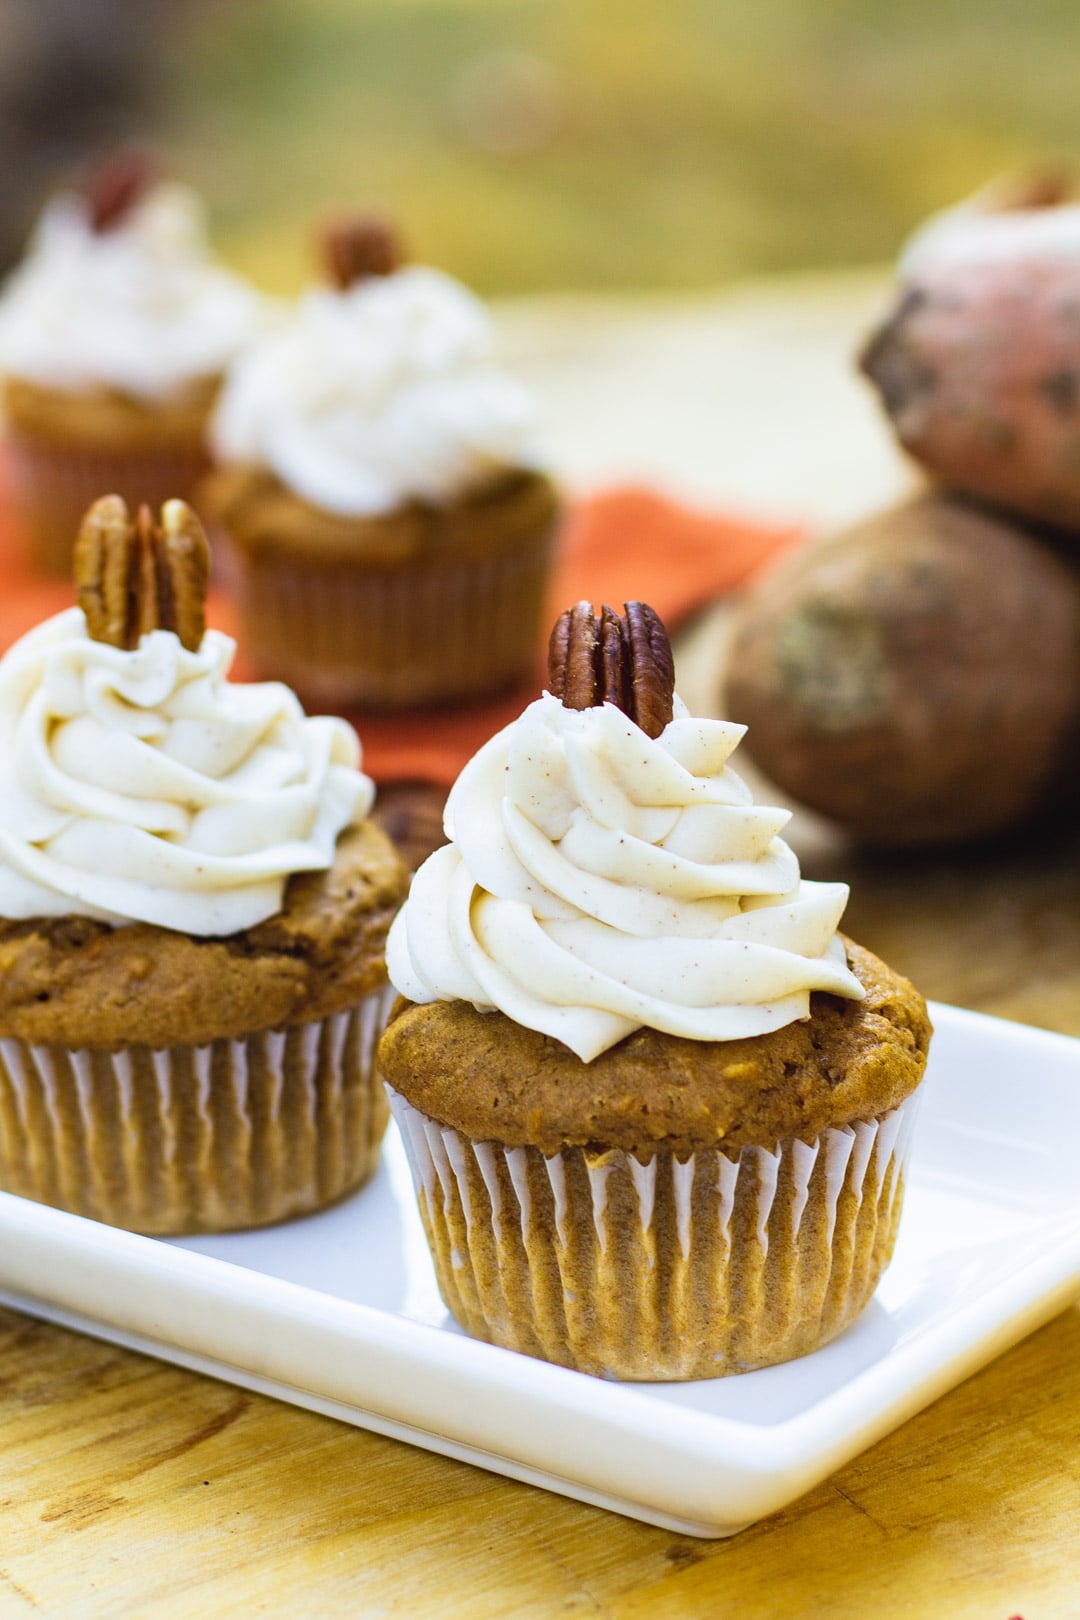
[378,476]
[114,336]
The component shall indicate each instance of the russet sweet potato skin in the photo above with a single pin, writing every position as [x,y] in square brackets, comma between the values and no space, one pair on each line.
[917,678]
[978,367]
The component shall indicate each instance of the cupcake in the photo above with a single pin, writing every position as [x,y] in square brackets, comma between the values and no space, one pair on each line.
[657,1109]
[193,911]
[377,478]
[114,335]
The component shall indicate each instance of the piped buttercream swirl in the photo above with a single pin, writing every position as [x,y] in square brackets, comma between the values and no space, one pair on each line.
[143,786]
[141,307]
[598,881]
[385,392]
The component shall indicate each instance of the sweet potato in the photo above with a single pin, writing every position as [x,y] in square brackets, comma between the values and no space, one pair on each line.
[978,367]
[917,678]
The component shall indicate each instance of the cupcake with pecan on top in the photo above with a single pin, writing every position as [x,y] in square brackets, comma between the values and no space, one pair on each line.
[377,477]
[193,911]
[115,333]
[657,1109]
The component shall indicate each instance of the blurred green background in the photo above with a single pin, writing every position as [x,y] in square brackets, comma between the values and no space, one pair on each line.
[535,144]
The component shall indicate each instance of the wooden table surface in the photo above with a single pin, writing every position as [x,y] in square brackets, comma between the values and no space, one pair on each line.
[130,1488]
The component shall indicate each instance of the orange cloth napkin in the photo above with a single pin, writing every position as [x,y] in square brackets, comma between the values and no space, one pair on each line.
[624,544]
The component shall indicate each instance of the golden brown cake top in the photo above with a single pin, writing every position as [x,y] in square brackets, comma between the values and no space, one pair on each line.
[107,418]
[496,1081]
[71,981]
[265,518]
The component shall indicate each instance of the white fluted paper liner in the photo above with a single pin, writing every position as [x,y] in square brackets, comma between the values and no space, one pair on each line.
[197,1138]
[668,1269]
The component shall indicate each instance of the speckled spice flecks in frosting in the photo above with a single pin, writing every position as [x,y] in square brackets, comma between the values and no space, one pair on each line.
[144,787]
[140,308]
[380,394]
[599,881]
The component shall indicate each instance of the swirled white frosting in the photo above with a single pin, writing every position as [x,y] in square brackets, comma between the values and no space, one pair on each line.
[599,881]
[144,787]
[380,394]
[969,234]
[141,307]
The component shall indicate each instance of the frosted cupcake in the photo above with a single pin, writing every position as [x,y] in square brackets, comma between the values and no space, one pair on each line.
[114,335]
[657,1109]
[379,483]
[193,911]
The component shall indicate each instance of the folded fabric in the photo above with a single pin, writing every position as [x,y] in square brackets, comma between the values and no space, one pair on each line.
[623,544]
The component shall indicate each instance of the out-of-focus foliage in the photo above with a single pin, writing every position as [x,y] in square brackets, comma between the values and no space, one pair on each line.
[614,143]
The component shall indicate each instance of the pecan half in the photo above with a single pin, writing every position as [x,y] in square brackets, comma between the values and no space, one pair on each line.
[117,185]
[572,651]
[611,659]
[652,668]
[137,575]
[355,248]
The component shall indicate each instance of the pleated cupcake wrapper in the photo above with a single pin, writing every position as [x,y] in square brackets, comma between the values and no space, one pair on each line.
[197,1138]
[369,634]
[670,1269]
[55,484]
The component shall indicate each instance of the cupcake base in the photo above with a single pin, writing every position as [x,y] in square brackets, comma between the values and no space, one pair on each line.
[443,631]
[197,1138]
[670,1269]
[53,485]
[419,605]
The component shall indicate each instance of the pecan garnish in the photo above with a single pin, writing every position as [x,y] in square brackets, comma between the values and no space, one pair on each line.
[358,247]
[611,659]
[137,575]
[117,185]
[411,814]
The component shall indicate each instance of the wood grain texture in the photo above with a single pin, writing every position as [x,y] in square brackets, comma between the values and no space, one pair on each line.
[130,1490]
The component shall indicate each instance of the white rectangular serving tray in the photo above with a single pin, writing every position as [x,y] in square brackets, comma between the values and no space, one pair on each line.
[339,1312]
